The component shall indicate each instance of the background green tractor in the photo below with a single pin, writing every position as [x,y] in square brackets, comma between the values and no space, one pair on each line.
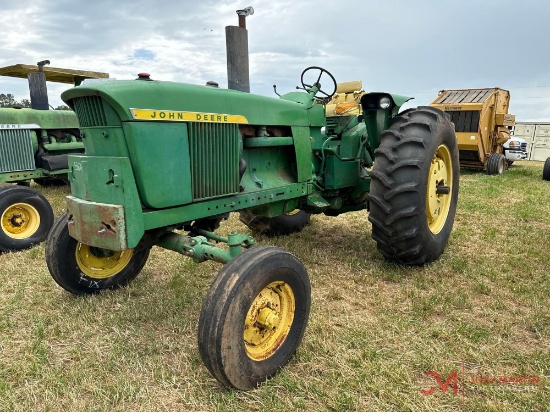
[34,144]
[163,157]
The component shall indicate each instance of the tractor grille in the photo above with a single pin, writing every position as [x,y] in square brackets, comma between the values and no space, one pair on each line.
[215,155]
[16,150]
[90,111]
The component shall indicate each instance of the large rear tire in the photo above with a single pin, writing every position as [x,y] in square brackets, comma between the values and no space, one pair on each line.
[546,170]
[282,225]
[254,317]
[414,188]
[82,269]
[26,217]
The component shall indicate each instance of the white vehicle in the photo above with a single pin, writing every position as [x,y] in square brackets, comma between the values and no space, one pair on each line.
[515,149]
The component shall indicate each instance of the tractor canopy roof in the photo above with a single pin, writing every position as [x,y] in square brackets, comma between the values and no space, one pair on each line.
[53,74]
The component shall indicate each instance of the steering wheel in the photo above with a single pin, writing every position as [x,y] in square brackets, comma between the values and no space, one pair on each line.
[322,71]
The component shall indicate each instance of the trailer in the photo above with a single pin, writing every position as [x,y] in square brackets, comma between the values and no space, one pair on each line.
[482,125]
[537,138]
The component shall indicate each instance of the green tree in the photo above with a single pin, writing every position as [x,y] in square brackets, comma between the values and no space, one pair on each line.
[8,100]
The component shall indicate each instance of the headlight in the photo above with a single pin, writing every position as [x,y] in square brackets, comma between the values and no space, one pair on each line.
[384,102]
[514,145]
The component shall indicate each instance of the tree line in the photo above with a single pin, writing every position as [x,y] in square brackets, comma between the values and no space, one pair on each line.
[8,100]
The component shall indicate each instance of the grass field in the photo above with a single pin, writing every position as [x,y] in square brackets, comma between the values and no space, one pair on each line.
[375,328]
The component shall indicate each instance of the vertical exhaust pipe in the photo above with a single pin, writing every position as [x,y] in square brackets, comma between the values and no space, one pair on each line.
[236,40]
[38,89]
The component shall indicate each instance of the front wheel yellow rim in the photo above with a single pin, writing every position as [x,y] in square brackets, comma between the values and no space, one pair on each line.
[100,263]
[440,189]
[20,221]
[268,321]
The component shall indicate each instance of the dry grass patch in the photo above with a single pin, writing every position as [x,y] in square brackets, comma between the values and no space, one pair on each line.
[375,327]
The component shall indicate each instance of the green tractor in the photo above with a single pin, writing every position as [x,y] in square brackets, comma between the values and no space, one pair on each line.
[34,145]
[164,157]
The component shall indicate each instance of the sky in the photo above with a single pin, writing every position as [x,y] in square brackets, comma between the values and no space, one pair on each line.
[409,47]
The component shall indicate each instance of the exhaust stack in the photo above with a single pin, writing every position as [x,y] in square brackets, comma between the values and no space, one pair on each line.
[236,38]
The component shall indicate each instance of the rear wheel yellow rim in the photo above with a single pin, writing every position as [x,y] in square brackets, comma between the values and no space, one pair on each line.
[20,221]
[293,212]
[440,189]
[268,321]
[100,263]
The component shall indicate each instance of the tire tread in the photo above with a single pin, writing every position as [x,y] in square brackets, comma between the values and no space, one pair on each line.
[398,186]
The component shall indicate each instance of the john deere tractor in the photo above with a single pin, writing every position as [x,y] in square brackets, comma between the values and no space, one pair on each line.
[34,145]
[166,162]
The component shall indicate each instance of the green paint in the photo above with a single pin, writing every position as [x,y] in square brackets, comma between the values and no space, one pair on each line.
[268,141]
[126,94]
[200,249]
[376,122]
[302,147]
[184,214]
[171,167]
[107,180]
[46,119]
[340,174]
[160,155]
[33,143]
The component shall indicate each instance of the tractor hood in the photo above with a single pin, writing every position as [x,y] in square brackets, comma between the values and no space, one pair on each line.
[128,97]
[46,119]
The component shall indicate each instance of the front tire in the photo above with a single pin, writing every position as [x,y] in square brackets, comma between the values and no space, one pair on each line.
[414,188]
[546,170]
[254,317]
[82,269]
[281,225]
[26,217]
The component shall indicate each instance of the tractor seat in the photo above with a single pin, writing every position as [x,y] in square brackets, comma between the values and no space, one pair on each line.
[346,100]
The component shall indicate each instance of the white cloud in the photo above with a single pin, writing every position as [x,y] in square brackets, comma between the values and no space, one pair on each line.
[407,47]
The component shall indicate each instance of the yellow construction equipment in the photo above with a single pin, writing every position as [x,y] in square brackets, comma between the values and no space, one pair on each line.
[482,125]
